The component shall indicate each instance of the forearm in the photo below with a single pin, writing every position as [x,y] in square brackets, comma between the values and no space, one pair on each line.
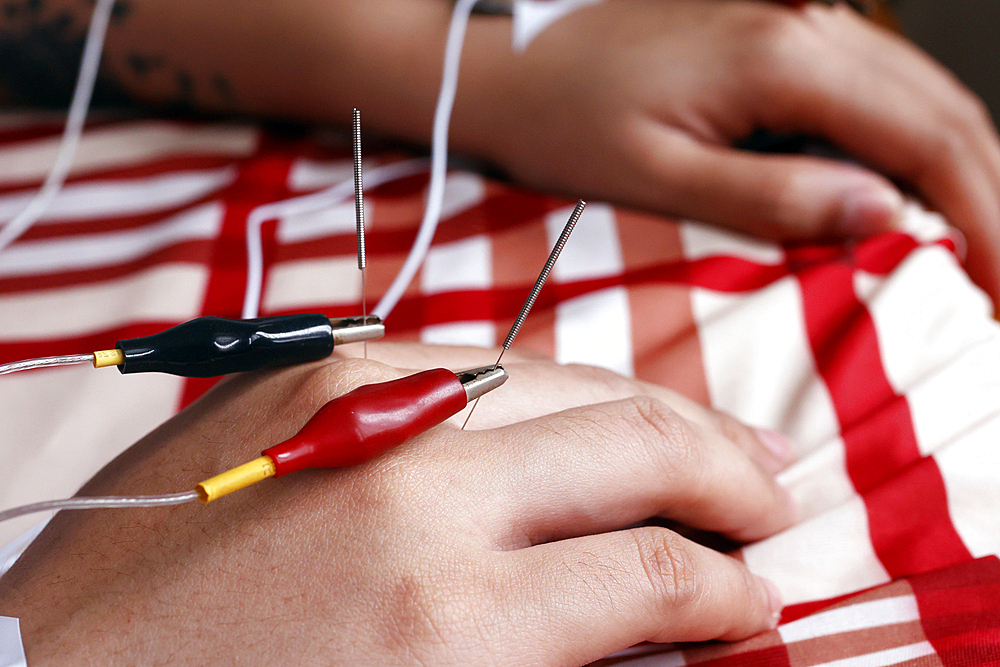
[311,60]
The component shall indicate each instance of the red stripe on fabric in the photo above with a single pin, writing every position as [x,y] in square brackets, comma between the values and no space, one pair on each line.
[771,656]
[877,429]
[187,252]
[910,526]
[494,214]
[796,611]
[960,612]
[261,179]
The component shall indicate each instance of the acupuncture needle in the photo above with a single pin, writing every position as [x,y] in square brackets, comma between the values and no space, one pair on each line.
[359,211]
[533,295]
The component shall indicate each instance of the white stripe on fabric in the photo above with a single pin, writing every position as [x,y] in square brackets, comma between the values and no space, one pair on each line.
[313,283]
[462,191]
[937,342]
[339,219]
[111,199]
[476,334]
[892,656]
[860,616]
[824,557]
[122,146]
[99,413]
[596,329]
[923,225]
[759,363]
[11,648]
[460,265]
[818,481]
[306,174]
[91,251]
[970,469]
[594,249]
[171,292]
[700,241]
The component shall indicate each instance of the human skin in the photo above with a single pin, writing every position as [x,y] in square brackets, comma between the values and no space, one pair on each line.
[638,102]
[508,544]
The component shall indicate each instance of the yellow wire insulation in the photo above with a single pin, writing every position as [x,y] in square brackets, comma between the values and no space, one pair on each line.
[238,478]
[104,358]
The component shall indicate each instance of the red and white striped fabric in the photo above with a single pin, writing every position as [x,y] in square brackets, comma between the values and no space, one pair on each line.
[879,358]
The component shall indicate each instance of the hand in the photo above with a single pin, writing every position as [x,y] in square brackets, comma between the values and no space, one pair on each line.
[472,547]
[639,102]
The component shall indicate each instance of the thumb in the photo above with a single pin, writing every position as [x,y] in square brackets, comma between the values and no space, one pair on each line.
[782,197]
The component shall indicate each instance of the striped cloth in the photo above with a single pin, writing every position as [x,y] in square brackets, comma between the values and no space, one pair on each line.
[878,358]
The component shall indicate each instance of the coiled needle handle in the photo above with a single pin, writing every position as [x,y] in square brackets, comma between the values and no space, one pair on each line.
[543,276]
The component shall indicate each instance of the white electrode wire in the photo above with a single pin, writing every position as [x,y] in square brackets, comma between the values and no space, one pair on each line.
[100,502]
[75,119]
[45,362]
[311,203]
[439,160]
[336,194]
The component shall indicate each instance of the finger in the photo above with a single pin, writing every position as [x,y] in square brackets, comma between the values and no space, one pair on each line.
[782,197]
[542,388]
[606,466]
[899,59]
[538,386]
[933,134]
[588,597]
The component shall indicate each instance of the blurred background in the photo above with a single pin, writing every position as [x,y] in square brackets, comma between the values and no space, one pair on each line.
[964,35]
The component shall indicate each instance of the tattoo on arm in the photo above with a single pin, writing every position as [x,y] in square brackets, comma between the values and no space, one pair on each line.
[40,52]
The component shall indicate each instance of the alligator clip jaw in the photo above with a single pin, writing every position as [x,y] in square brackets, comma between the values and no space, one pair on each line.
[482,380]
[356,329]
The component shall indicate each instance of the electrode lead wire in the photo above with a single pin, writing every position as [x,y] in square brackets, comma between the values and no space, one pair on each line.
[303,205]
[100,502]
[46,362]
[336,194]
[439,160]
[73,130]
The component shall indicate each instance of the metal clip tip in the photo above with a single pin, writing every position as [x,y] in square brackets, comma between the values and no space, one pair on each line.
[356,329]
[479,381]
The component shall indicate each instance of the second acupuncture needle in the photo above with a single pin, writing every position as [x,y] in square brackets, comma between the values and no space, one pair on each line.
[533,295]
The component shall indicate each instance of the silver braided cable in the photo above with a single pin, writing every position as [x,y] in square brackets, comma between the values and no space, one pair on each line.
[45,362]
[98,502]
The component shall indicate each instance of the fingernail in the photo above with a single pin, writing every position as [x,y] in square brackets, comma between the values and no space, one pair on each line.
[774,601]
[776,443]
[868,211]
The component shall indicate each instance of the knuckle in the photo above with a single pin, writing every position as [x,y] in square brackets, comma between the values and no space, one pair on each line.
[732,429]
[775,42]
[667,562]
[601,379]
[667,438]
